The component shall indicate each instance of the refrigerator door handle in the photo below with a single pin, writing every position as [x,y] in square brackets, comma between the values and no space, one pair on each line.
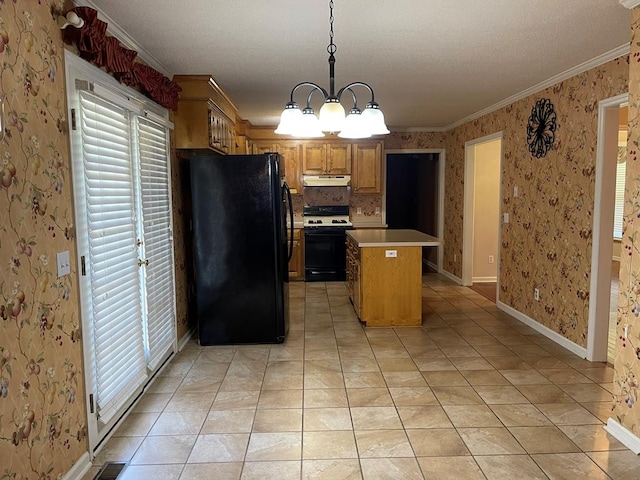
[289,201]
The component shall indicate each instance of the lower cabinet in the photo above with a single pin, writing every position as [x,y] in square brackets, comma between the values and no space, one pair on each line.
[296,264]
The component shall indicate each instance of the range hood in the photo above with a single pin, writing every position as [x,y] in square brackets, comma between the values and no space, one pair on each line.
[326,180]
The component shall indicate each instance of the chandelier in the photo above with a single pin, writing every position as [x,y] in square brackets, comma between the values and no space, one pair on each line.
[357,124]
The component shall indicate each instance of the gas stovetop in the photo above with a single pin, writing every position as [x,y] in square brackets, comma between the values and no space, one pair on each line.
[326,216]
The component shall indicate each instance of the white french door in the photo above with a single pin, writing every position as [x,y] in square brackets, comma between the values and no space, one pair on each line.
[122,194]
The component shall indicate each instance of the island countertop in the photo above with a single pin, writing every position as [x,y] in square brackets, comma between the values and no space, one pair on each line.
[392,238]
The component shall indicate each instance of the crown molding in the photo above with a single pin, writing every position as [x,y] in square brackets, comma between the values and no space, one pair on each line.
[572,72]
[630,3]
[116,31]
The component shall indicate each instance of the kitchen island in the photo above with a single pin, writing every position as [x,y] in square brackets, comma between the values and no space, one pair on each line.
[384,275]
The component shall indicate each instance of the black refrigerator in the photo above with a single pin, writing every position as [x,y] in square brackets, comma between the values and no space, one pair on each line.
[242,226]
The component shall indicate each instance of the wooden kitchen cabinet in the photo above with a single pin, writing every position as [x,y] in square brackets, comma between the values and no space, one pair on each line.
[367,168]
[290,152]
[353,274]
[296,264]
[326,158]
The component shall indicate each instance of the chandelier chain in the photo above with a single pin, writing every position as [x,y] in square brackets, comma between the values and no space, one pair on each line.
[331,48]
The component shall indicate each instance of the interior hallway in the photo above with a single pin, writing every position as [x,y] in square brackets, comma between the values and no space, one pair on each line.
[474,394]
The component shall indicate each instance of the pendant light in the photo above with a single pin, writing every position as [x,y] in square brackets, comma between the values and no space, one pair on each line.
[358,124]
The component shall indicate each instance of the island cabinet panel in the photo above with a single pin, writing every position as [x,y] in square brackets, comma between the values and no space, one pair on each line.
[385,306]
[296,264]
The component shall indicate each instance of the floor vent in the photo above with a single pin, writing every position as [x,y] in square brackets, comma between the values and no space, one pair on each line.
[110,471]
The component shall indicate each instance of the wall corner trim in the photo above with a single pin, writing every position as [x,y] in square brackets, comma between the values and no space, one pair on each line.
[546,331]
[79,469]
[186,338]
[622,434]
[451,277]
[630,3]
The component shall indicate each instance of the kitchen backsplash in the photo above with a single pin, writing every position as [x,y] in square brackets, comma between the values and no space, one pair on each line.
[340,196]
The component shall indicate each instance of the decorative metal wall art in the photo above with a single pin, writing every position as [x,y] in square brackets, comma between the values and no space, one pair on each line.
[541,128]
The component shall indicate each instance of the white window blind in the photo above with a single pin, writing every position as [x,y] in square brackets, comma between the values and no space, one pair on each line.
[618,215]
[158,242]
[120,366]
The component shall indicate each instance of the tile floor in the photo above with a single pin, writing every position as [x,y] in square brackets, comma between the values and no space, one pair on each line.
[473,394]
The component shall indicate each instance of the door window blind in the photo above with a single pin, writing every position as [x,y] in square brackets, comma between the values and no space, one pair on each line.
[621,171]
[120,366]
[155,202]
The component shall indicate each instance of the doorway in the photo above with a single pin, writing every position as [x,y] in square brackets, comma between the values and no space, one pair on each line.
[414,196]
[481,221]
[607,224]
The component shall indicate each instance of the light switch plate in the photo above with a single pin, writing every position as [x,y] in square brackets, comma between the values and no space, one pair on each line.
[505,217]
[391,253]
[359,211]
[515,191]
[64,266]
[377,210]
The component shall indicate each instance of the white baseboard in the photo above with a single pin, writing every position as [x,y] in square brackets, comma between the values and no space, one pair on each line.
[451,277]
[484,279]
[186,338]
[431,265]
[623,435]
[79,469]
[546,331]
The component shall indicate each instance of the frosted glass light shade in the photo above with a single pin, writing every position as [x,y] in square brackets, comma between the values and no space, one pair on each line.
[308,126]
[354,126]
[374,119]
[289,119]
[332,116]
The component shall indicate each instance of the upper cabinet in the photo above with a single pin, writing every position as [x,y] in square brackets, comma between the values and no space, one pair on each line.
[290,153]
[320,158]
[206,117]
[367,168]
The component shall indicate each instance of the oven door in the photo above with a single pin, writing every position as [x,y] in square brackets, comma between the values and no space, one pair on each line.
[325,254]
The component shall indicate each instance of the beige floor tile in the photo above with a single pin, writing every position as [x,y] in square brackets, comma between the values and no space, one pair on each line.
[317,419]
[179,423]
[164,449]
[424,416]
[137,424]
[397,365]
[413,396]
[280,399]
[324,380]
[274,446]
[445,379]
[490,441]
[322,366]
[235,400]
[383,443]
[388,468]
[525,377]
[430,364]
[508,363]
[601,410]
[568,414]
[619,465]
[500,394]
[207,471]
[282,470]
[592,438]
[545,394]
[152,402]
[219,447]
[285,353]
[569,466]
[164,384]
[190,402]
[283,381]
[484,377]
[151,472]
[437,442]
[404,379]
[564,376]
[364,380]
[494,351]
[471,363]
[329,445]
[342,469]
[118,449]
[325,397]
[587,392]
[278,420]
[369,397]
[285,366]
[457,396]
[508,467]
[375,418]
[520,415]
[199,385]
[472,416]
[359,365]
[450,468]
[228,421]
[543,440]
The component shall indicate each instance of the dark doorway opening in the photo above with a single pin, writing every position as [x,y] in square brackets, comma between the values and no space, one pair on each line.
[412,195]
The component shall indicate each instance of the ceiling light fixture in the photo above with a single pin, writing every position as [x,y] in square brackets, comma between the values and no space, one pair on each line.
[358,124]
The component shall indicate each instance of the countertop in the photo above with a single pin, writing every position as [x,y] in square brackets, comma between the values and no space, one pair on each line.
[392,238]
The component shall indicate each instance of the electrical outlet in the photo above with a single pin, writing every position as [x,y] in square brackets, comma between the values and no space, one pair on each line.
[515,190]
[63,263]
[536,294]
[490,258]
[505,217]
[377,210]
[359,211]
[391,253]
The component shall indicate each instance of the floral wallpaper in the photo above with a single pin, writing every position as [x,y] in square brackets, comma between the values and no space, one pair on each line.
[42,403]
[414,140]
[626,409]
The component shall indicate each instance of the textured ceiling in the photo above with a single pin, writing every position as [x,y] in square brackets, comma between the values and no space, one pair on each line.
[431,63]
